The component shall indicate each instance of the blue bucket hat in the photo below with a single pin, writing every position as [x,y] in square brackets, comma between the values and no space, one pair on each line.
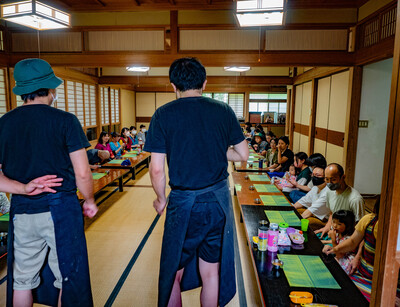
[33,74]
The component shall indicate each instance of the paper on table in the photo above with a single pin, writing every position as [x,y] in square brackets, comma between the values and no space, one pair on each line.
[238,187]
[129,155]
[283,216]
[97,176]
[259,178]
[5,217]
[115,162]
[274,200]
[266,188]
[307,271]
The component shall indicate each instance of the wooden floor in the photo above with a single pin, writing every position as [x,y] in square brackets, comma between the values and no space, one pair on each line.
[115,234]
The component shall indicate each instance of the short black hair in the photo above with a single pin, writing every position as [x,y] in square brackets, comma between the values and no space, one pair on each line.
[141,126]
[301,156]
[248,124]
[123,130]
[284,139]
[131,128]
[271,134]
[317,160]
[187,74]
[346,217]
[339,168]
[114,134]
[43,92]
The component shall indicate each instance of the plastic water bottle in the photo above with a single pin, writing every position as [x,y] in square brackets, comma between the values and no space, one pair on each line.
[273,238]
[262,235]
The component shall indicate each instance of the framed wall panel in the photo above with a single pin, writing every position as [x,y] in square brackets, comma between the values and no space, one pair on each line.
[320,146]
[338,102]
[163,98]
[334,154]
[145,104]
[303,143]
[53,41]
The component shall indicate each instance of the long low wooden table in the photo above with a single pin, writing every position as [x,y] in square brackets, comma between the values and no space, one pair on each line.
[113,175]
[274,289]
[138,163]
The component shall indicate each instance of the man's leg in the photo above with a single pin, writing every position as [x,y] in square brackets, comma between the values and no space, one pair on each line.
[210,277]
[22,298]
[175,299]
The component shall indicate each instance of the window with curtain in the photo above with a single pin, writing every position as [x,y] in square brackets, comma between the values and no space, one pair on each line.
[114,106]
[235,101]
[104,101]
[3,97]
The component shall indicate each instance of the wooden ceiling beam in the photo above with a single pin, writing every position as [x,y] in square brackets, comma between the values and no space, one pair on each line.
[321,4]
[211,80]
[232,58]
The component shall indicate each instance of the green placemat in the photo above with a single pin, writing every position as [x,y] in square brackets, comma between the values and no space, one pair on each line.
[259,178]
[266,188]
[97,176]
[116,162]
[283,216]
[5,217]
[274,200]
[238,187]
[307,271]
[130,155]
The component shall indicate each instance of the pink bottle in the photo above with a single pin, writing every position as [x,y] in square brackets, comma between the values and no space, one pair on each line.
[273,237]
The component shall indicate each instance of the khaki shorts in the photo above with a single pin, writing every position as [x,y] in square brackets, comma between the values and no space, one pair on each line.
[34,241]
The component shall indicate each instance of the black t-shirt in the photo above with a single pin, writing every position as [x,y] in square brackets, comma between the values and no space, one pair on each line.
[93,156]
[195,133]
[35,140]
[289,154]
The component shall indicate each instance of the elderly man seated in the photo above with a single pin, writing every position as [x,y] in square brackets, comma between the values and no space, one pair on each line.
[96,157]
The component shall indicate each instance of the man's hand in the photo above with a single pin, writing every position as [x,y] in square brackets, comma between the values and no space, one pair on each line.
[323,231]
[159,205]
[42,184]
[89,209]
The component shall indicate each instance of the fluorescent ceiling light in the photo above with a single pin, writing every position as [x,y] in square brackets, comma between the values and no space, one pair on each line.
[260,19]
[138,69]
[250,13]
[36,15]
[237,69]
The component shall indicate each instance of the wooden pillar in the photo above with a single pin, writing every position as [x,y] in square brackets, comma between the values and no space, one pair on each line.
[288,102]
[386,266]
[174,31]
[246,106]
[313,112]
[353,115]
[292,110]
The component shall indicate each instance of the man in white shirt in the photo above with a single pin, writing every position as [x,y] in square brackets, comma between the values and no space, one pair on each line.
[340,196]
[312,206]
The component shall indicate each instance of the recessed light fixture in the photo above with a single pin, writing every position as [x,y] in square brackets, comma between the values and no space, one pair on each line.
[36,15]
[250,13]
[237,68]
[138,68]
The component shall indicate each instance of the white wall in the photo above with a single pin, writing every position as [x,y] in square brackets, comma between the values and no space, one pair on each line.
[375,94]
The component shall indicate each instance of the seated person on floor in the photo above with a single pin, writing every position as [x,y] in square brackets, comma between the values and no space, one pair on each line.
[125,139]
[115,146]
[285,158]
[340,196]
[343,223]
[312,206]
[259,145]
[272,156]
[313,161]
[97,157]
[303,177]
[247,134]
[366,232]
[284,182]
[133,136]
[4,203]
[103,143]
[142,134]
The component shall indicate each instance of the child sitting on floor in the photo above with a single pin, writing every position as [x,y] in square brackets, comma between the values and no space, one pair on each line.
[343,225]
[284,182]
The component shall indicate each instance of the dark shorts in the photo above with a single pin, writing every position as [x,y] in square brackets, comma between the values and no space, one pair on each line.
[204,232]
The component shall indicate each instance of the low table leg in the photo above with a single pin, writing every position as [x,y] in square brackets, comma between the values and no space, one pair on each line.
[120,184]
[133,171]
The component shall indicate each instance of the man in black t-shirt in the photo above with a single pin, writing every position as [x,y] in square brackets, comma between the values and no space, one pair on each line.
[198,228]
[46,230]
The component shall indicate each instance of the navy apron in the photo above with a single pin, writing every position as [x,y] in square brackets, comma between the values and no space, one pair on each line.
[71,251]
[178,213]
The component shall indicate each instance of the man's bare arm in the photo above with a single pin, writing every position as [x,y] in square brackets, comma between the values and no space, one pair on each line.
[239,152]
[158,180]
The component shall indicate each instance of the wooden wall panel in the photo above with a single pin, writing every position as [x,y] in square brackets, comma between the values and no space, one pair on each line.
[299,103]
[334,154]
[296,142]
[320,146]
[145,104]
[128,108]
[321,119]
[126,40]
[49,42]
[306,40]
[338,102]
[219,39]
[306,103]
[163,98]
[303,143]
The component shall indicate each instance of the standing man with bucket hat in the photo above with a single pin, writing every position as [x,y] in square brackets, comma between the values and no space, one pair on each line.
[47,260]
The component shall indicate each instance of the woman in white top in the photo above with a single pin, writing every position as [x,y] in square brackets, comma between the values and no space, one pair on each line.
[313,205]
